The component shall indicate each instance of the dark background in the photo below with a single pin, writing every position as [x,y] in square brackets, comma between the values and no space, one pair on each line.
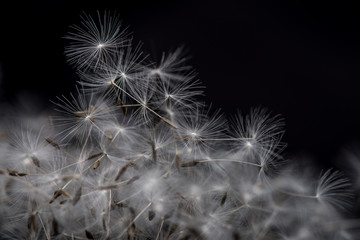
[299,59]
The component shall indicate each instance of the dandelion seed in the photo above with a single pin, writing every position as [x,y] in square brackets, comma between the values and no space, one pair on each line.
[93,43]
[333,189]
[151,215]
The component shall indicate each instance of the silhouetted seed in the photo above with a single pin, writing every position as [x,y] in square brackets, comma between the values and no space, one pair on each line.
[153,149]
[151,215]
[133,179]
[53,143]
[132,211]
[122,170]
[88,235]
[77,196]
[63,201]
[15,173]
[35,161]
[223,199]
[189,164]
[94,155]
[56,194]
[177,162]
[121,205]
[55,227]
[96,164]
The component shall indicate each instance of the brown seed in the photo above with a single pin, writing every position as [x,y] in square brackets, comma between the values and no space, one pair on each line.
[177,161]
[122,170]
[56,194]
[15,173]
[66,194]
[2,171]
[52,142]
[133,179]
[107,187]
[77,196]
[35,161]
[104,225]
[223,199]
[94,155]
[189,164]
[96,164]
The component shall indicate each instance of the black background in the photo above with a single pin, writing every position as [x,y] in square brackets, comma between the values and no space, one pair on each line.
[299,59]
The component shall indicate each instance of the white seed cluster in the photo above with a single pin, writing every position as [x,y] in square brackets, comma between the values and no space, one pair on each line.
[135,155]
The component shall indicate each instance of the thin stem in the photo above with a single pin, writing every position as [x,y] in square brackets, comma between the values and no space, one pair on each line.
[299,195]
[161,225]
[229,160]
[46,232]
[211,139]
